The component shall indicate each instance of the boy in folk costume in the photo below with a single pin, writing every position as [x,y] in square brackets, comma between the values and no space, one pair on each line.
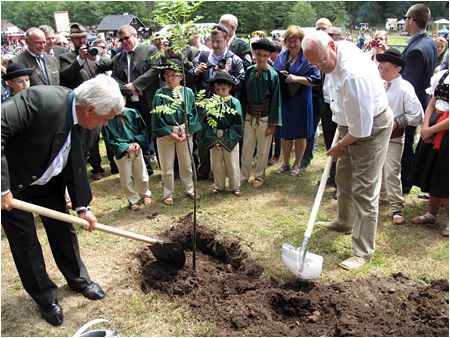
[223,140]
[125,135]
[407,112]
[170,131]
[262,111]
[17,77]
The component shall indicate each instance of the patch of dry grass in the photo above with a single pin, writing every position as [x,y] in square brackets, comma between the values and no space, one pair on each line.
[263,219]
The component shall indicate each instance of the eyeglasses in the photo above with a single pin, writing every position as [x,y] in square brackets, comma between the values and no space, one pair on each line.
[407,17]
[262,56]
[171,76]
[320,64]
[125,38]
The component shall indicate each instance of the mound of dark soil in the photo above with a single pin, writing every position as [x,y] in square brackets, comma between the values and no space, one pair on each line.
[227,289]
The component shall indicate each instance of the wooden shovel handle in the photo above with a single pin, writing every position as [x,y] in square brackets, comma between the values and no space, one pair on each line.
[18,204]
[323,183]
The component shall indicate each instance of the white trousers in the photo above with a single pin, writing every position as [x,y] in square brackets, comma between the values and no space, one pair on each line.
[255,133]
[391,187]
[166,152]
[223,162]
[132,164]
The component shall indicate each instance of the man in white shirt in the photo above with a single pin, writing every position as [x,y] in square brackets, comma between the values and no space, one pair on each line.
[360,106]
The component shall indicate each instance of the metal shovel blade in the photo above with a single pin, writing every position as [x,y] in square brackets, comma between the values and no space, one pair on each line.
[171,253]
[308,268]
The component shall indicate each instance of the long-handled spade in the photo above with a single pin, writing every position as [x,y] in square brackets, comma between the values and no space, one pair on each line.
[171,253]
[301,262]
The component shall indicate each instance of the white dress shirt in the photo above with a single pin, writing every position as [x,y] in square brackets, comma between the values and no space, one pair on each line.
[403,101]
[356,90]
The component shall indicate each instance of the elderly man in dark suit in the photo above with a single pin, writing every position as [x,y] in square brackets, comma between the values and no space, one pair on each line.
[78,66]
[45,66]
[238,46]
[50,39]
[135,69]
[41,154]
[421,57]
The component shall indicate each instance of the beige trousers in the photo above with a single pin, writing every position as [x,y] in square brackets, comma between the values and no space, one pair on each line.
[223,162]
[255,133]
[358,180]
[391,186]
[166,152]
[132,164]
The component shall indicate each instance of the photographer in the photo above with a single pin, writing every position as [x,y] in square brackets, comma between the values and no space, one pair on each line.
[78,66]
[378,45]
[206,66]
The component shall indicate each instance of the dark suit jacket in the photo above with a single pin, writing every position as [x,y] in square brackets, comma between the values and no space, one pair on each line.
[38,78]
[58,50]
[243,50]
[72,75]
[35,126]
[421,58]
[144,75]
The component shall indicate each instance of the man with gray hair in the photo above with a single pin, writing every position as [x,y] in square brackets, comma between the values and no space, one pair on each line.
[360,106]
[41,154]
[50,42]
[236,45]
[45,66]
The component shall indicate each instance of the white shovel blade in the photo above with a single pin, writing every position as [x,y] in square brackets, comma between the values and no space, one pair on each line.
[312,264]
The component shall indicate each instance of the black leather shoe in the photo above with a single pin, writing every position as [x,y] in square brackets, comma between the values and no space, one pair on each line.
[92,291]
[52,313]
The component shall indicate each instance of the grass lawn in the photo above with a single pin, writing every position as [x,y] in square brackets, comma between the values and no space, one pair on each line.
[263,219]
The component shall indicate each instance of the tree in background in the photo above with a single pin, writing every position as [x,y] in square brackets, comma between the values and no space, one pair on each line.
[302,14]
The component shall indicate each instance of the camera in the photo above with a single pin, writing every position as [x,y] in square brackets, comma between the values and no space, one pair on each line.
[221,64]
[91,50]
[375,43]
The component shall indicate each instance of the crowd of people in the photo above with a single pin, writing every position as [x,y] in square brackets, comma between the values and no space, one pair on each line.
[271,99]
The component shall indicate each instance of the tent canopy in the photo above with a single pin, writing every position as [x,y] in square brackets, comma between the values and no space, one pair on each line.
[443,31]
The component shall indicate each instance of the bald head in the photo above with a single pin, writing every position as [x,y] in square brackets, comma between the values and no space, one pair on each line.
[323,24]
[36,41]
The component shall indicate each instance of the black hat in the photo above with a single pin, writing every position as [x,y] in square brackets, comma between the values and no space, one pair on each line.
[173,64]
[392,55]
[77,30]
[264,44]
[124,91]
[222,77]
[16,69]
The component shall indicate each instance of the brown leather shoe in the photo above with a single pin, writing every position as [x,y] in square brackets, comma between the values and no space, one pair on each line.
[333,226]
[214,192]
[238,193]
[354,262]
[192,195]
[258,182]
[398,218]
[135,207]
[383,202]
[445,232]
[168,201]
[424,220]
[147,200]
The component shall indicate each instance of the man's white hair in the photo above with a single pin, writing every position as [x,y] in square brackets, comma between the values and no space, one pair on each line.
[316,39]
[103,92]
[231,19]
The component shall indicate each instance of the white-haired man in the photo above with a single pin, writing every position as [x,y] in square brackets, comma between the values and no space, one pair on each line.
[360,106]
[236,45]
[41,154]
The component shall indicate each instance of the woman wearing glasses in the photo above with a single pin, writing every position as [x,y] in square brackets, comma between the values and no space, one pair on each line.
[296,109]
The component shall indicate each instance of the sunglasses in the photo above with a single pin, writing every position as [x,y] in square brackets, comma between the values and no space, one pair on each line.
[407,17]
[125,38]
[220,28]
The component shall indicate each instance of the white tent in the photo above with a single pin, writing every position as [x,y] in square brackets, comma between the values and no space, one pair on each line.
[440,23]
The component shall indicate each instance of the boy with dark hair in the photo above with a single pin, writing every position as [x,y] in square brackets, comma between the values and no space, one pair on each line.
[263,111]
[407,112]
[17,77]
[223,140]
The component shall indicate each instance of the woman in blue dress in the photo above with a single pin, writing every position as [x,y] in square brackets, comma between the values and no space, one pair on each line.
[297,110]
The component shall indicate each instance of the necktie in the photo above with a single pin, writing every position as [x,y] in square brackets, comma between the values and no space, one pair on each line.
[41,63]
[130,64]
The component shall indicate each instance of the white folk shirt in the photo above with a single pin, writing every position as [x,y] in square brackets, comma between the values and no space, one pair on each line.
[356,90]
[403,101]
